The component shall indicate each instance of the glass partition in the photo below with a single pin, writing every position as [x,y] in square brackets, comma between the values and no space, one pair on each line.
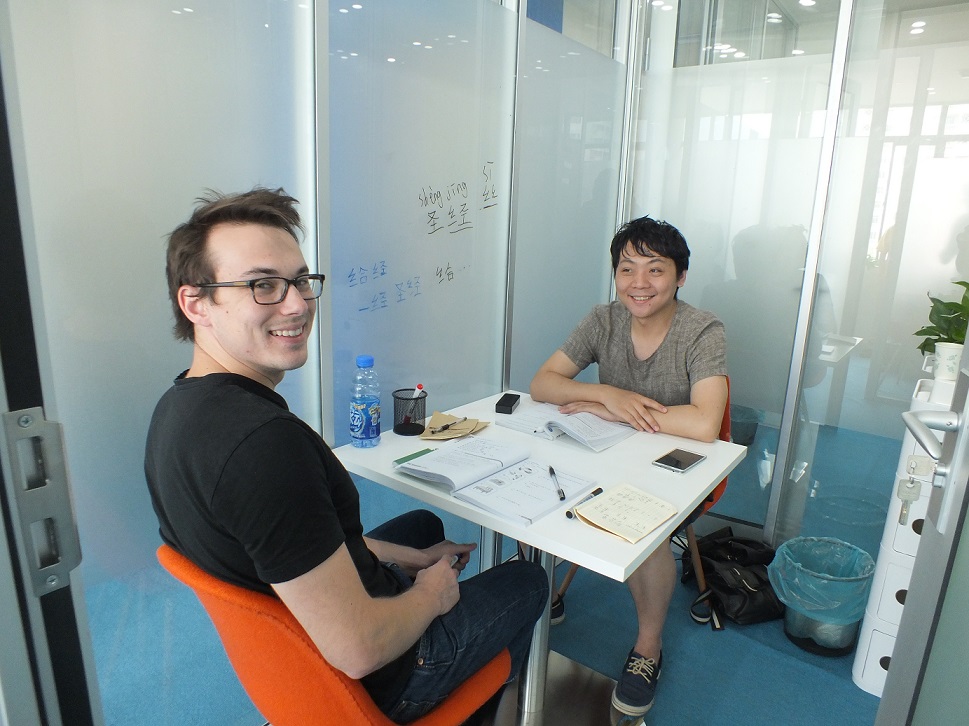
[568,131]
[728,152]
[896,230]
[126,113]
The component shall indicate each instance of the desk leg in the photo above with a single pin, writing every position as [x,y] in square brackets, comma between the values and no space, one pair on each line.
[489,549]
[531,692]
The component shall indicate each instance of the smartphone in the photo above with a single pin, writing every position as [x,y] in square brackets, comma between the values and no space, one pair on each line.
[679,460]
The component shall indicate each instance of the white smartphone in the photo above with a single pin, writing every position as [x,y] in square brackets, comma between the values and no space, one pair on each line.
[679,460]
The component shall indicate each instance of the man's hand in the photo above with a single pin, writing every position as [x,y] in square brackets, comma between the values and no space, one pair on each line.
[449,550]
[440,580]
[412,560]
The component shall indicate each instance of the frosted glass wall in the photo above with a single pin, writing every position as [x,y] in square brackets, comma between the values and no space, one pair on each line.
[569,127]
[121,115]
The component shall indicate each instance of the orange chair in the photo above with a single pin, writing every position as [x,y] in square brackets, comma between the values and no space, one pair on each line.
[285,675]
[711,499]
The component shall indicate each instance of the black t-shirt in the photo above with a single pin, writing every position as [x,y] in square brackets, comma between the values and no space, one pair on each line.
[251,494]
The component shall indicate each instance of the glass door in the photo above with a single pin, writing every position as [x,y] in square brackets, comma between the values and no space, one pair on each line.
[895,231]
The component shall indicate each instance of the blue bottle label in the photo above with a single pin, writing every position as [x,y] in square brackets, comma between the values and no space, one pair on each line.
[365,418]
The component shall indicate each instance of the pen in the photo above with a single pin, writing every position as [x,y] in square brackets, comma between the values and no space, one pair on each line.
[445,427]
[570,513]
[555,483]
[408,417]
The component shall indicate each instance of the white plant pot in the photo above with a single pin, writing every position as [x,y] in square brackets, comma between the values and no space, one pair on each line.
[947,357]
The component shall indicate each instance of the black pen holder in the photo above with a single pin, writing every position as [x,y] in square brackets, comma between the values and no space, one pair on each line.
[410,410]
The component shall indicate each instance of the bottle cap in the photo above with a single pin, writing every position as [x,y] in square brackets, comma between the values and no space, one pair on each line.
[364,361]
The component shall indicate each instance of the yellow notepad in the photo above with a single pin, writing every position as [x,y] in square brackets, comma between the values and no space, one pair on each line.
[626,511]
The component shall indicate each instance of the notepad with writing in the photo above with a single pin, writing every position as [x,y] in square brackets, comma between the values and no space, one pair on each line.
[626,511]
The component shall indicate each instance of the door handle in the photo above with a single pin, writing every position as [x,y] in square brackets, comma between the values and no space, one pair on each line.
[920,423]
[40,491]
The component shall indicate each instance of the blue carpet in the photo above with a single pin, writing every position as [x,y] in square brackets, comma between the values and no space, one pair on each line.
[743,675]
[160,661]
[158,657]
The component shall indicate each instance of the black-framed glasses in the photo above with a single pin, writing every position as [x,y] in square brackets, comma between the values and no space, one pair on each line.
[272,290]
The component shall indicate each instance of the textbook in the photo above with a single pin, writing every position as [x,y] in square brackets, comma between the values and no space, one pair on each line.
[545,420]
[496,476]
[625,511]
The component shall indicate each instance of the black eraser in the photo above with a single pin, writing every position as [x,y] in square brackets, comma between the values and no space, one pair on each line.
[507,403]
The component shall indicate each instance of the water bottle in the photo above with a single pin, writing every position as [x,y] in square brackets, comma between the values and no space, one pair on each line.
[365,405]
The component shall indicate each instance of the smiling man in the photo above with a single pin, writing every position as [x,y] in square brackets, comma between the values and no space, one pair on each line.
[250,493]
[662,367]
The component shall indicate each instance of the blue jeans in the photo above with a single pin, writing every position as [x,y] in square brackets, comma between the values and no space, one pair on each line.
[498,609]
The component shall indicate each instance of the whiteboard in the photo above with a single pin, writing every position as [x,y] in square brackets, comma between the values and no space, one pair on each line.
[420,102]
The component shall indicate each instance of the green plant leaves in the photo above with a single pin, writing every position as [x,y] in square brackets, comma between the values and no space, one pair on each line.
[947,321]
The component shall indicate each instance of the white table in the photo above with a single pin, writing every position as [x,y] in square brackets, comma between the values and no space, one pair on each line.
[555,535]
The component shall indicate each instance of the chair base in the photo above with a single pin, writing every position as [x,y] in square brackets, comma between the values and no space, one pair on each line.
[574,695]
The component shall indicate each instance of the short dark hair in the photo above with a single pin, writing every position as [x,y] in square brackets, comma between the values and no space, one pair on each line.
[187,261]
[648,235]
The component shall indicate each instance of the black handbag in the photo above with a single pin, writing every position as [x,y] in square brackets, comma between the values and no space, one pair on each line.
[738,589]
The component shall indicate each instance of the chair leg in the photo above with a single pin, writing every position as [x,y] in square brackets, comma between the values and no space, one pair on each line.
[567,580]
[701,580]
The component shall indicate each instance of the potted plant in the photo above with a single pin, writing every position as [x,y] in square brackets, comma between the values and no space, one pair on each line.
[945,334]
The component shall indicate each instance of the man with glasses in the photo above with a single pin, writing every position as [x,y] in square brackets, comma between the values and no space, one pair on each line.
[254,496]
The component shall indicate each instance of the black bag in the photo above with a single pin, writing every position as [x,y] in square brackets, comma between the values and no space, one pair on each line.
[735,569]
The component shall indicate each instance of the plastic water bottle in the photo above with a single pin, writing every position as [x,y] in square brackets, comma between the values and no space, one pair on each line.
[365,405]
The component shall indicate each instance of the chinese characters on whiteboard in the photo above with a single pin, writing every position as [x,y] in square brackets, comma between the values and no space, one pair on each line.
[448,210]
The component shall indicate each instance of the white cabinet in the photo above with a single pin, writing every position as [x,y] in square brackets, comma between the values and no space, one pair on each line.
[896,556]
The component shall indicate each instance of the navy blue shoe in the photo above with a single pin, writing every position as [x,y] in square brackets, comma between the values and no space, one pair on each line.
[636,689]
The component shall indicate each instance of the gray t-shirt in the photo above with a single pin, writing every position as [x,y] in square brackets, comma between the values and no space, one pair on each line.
[694,348]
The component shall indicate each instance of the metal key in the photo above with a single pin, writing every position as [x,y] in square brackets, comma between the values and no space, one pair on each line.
[908,491]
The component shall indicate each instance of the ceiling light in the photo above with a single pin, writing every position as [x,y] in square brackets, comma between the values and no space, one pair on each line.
[917,31]
[797,52]
[918,24]
[774,20]
[739,54]
[774,15]
[807,3]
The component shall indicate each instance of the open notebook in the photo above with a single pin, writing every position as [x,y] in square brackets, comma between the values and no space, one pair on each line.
[544,419]
[496,476]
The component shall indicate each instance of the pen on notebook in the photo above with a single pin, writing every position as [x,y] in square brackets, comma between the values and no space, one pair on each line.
[445,427]
[570,513]
[555,483]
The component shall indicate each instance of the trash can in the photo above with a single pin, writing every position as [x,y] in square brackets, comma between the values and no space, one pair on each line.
[824,583]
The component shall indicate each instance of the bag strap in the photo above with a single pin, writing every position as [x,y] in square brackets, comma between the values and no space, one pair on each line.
[706,609]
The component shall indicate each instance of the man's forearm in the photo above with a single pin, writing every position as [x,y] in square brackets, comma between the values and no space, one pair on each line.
[552,387]
[408,558]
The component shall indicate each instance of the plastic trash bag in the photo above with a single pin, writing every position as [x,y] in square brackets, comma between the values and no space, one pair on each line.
[824,578]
